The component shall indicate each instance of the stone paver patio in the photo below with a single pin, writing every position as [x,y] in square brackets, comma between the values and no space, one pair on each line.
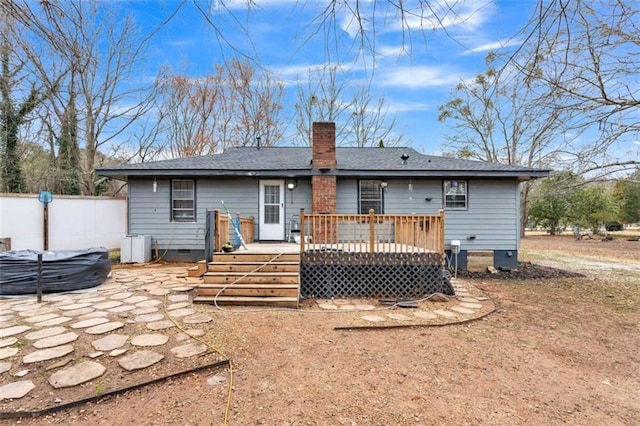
[134,316]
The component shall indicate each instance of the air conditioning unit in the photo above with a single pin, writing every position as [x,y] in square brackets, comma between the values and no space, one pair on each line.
[135,249]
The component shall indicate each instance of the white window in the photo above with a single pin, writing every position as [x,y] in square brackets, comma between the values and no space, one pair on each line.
[455,194]
[371,196]
[183,200]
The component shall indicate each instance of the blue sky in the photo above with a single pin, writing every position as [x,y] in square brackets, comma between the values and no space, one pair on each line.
[414,70]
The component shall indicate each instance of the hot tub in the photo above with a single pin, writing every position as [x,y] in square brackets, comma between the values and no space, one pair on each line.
[63,270]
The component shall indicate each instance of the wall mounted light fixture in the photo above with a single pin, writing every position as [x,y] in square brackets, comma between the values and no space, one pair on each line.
[383,184]
[291,185]
[155,185]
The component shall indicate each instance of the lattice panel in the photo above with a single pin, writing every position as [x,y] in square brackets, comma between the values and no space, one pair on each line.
[375,275]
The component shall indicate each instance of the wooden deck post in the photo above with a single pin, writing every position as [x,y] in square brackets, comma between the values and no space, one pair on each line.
[216,233]
[441,230]
[372,231]
[302,231]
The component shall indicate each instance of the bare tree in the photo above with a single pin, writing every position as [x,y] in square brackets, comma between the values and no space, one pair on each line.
[188,114]
[201,116]
[503,117]
[320,99]
[586,52]
[96,50]
[369,123]
[360,119]
[341,24]
[256,104]
[500,118]
[16,82]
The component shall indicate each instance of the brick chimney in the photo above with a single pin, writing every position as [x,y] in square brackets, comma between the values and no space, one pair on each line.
[324,146]
[323,199]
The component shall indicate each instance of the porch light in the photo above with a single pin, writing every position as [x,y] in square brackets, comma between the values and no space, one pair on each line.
[155,185]
[291,186]
[383,184]
[410,185]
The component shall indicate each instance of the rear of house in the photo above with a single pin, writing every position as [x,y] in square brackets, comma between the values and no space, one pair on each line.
[169,200]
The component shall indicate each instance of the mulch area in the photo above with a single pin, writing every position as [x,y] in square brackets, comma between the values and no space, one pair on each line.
[526,271]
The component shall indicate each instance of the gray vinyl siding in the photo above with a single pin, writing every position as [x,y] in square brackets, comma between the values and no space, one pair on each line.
[150,213]
[299,198]
[492,216]
[492,209]
[397,198]
[492,213]
[347,196]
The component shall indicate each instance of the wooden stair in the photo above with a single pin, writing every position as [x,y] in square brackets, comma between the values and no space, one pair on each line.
[251,279]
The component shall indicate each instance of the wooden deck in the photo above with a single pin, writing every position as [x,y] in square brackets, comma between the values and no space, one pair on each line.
[362,254]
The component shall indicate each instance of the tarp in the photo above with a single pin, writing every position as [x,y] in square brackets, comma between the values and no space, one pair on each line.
[63,270]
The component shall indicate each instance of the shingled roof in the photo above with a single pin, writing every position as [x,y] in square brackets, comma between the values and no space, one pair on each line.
[296,162]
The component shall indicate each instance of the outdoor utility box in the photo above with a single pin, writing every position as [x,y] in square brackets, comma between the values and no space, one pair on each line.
[135,249]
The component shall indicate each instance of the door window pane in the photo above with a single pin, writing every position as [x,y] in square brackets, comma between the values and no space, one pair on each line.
[271,204]
[272,194]
[271,214]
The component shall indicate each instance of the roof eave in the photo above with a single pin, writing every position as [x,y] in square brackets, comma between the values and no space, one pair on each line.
[523,175]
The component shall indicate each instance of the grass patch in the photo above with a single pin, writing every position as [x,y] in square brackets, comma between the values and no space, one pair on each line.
[114,255]
[625,236]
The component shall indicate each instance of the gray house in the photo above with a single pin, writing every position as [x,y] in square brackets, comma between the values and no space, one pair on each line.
[168,199]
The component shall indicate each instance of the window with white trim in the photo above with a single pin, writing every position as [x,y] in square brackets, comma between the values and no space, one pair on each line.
[455,194]
[370,196]
[183,200]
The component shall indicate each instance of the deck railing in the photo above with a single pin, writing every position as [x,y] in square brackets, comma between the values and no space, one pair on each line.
[225,231]
[373,233]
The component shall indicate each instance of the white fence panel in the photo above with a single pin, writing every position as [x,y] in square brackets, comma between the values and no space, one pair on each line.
[74,222]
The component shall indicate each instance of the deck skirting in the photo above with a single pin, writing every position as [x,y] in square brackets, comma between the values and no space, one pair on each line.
[330,274]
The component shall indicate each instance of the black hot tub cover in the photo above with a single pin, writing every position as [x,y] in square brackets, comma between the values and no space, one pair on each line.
[63,270]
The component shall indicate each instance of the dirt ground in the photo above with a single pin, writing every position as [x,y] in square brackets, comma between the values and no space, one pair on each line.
[557,350]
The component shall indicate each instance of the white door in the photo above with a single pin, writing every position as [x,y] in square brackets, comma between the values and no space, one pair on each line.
[272,210]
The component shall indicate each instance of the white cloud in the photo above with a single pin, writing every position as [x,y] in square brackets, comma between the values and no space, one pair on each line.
[440,14]
[494,45]
[399,106]
[177,42]
[295,74]
[393,51]
[420,76]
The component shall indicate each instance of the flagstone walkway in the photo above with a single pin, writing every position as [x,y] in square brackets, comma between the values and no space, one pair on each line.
[462,307]
[67,335]
[73,338]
